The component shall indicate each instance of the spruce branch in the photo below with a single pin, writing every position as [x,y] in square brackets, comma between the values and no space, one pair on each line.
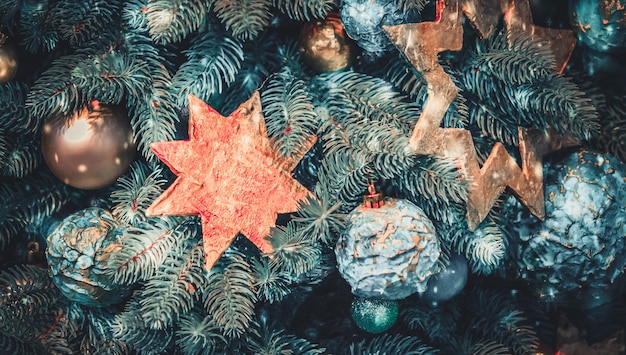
[417,5]
[34,197]
[80,21]
[293,250]
[213,60]
[146,247]
[346,176]
[289,115]
[229,295]
[304,10]
[135,192]
[485,248]
[36,27]
[130,328]
[392,344]
[245,19]
[266,341]
[270,282]
[172,20]
[21,155]
[198,334]
[172,290]
[14,117]
[26,291]
[320,219]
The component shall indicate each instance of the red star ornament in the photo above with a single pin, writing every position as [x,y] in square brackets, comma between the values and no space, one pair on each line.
[229,175]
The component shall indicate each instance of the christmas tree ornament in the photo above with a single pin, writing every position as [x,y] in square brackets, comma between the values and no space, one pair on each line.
[578,252]
[448,282]
[78,251]
[421,43]
[389,252]
[8,60]
[364,21]
[374,315]
[600,24]
[229,175]
[91,148]
[324,45]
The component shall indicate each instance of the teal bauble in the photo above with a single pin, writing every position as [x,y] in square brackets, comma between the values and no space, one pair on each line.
[78,251]
[374,315]
[577,254]
[388,252]
[599,24]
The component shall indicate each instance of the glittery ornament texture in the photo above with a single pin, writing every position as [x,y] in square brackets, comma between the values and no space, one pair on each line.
[78,251]
[388,252]
[580,246]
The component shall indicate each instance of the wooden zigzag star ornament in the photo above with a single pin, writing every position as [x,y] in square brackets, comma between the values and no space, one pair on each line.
[421,43]
[228,174]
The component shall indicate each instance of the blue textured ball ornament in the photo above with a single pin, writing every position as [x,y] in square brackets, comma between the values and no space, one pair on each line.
[447,283]
[374,315]
[78,251]
[363,21]
[578,252]
[388,252]
[600,25]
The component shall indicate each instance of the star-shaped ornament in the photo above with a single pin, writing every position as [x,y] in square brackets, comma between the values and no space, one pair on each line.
[228,174]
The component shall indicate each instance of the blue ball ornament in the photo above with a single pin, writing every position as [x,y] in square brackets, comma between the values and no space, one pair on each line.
[447,283]
[363,21]
[78,251]
[578,253]
[600,25]
[388,252]
[374,315]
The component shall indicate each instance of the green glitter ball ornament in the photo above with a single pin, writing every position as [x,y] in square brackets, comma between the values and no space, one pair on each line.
[374,315]
[78,251]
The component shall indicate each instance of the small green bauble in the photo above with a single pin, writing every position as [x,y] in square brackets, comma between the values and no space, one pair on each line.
[78,251]
[374,315]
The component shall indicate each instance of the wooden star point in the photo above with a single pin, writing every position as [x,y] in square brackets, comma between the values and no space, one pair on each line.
[229,175]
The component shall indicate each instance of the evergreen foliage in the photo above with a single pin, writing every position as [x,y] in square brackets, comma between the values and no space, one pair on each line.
[148,56]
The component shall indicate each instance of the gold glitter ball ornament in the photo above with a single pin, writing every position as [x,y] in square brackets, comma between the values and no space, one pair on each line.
[90,149]
[325,46]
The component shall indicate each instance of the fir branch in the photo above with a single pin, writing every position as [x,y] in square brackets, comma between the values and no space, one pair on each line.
[172,20]
[198,335]
[304,10]
[26,291]
[79,22]
[130,328]
[134,15]
[467,345]
[485,248]
[34,197]
[112,76]
[289,115]
[54,92]
[245,19]
[135,192]
[392,344]
[498,126]
[271,283]
[229,296]
[320,219]
[172,290]
[437,186]
[14,117]
[146,248]
[438,323]
[406,78]
[265,341]
[36,27]
[9,10]
[213,60]
[346,177]
[294,251]
[514,58]
[22,155]
[22,344]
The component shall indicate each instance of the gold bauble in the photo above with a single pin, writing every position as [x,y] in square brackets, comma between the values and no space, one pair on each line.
[324,45]
[90,149]
[8,63]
